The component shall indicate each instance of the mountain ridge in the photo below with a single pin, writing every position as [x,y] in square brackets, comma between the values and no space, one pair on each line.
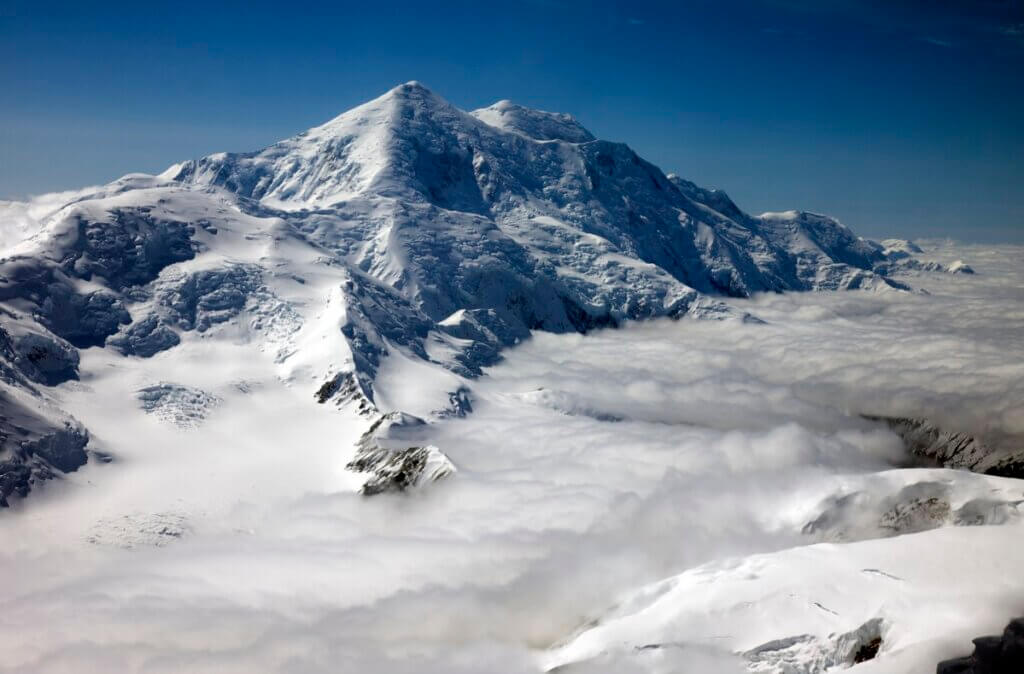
[403,224]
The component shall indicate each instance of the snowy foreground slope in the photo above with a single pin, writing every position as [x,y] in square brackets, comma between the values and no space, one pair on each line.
[220,361]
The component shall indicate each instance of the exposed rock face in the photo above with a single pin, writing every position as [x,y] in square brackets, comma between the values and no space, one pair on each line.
[806,654]
[392,467]
[37,355]
[200,301]
[52,307]
[127,249]
[145,338]
[345,388]
[36,447]
[123,248]
[916,507]
[992,655]
[955,449]
[401,469]
[901,257]
[37,441]
[912,264]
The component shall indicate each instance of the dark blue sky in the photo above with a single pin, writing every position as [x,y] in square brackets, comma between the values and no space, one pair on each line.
[898,117]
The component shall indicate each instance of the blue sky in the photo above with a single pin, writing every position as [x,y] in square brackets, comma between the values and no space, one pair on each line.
[899,117]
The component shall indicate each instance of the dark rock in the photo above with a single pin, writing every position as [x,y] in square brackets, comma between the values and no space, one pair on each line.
[392,470]
[1013,644]
[992,655]
[33,449]
[15,478]
[345,388]
[956,666]
[329,388]
[196,301]
[807,654]
[926,439]
[393,466]
[867,651]
[64,449]
[200,300]
[39,287]
[460,403]
[45,359]
[83,320]
[131,250]
[145,338]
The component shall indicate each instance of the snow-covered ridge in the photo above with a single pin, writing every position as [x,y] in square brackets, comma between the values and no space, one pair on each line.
[404,225]
[535,124]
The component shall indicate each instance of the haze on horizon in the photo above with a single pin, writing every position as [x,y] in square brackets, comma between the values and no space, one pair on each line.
[898,118]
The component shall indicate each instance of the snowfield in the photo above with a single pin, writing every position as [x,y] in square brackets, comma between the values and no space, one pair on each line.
[379,398]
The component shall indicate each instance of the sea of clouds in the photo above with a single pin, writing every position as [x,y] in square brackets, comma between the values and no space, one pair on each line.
[20,220]
[590,466]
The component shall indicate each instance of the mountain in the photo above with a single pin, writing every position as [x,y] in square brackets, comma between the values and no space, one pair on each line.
[403,226]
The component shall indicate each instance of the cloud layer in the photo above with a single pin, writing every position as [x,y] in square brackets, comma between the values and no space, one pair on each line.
[591,466]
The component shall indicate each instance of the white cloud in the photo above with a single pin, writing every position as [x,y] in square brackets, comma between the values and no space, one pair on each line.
[730,438]
[20,220]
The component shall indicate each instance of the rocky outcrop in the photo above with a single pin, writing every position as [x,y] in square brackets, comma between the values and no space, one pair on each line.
[915,265]
[145,338]
[201,300]
[392,467]
[901,256]
[125,248]
[992,655]
[29,355]
[954,449]
[916,507]
[807,654]
[35,447]
[41,290]
[38,442]
[401,469]
[345,388]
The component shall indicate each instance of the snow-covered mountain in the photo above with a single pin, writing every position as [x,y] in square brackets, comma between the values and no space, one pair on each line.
[403,224]
[223,359]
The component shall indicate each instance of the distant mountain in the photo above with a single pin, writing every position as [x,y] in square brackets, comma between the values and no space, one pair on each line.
[404,224]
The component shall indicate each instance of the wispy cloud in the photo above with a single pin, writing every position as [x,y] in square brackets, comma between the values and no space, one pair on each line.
[1015,30]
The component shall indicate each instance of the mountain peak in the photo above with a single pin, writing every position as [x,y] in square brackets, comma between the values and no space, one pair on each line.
[411,89]
[412,85]
[535,124]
